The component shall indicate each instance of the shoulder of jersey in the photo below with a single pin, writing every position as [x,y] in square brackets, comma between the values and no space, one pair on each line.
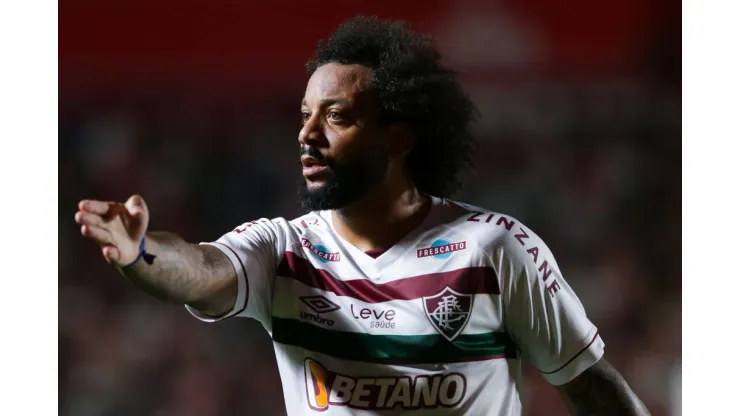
[311,220]
[488,228]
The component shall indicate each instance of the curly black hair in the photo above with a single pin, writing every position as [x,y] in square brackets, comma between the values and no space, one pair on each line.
[412,86]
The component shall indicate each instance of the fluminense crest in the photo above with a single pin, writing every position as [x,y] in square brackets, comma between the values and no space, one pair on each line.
[448,311]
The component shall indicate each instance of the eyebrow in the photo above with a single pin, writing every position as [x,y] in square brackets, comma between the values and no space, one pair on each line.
[330,101]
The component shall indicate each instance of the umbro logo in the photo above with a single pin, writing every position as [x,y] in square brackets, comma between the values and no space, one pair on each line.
[319,304]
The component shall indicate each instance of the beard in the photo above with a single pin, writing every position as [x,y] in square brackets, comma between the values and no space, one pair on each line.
[348,183]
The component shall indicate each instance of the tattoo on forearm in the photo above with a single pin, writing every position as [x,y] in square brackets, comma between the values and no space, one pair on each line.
[601,390]
[181,272]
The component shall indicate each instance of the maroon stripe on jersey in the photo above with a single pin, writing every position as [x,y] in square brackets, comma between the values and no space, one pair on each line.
[469,280]
[574,357]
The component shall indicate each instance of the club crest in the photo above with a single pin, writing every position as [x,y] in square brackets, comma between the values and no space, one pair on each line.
[448,311]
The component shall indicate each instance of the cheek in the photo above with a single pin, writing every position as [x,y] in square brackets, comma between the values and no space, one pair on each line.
[348,144]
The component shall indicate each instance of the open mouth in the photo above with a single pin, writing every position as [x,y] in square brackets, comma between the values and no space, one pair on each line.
[312,166]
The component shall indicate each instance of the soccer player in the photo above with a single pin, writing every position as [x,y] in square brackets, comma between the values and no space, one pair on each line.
[386,296]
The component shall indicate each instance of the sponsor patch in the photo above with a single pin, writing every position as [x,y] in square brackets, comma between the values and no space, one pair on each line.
[325,388]
[322,252]
[441,249]
[374,317]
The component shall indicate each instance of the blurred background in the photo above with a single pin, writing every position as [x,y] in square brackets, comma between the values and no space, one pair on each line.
[195,105]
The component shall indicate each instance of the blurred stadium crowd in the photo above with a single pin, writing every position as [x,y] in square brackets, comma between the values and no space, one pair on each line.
[590,160]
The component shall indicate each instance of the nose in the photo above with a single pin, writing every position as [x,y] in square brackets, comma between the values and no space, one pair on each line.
[311,134]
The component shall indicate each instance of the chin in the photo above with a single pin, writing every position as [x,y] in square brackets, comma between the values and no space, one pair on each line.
[320,195]
[315,185]
[313,182]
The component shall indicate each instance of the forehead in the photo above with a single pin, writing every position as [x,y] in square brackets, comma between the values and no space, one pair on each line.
[337,81]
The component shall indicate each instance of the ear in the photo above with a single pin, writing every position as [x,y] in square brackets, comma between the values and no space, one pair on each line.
[402,136]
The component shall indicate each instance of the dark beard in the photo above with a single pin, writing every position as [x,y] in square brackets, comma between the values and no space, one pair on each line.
[349,182]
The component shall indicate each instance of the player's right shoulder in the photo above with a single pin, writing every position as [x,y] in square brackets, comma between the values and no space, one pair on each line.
[261,223]
[280,227]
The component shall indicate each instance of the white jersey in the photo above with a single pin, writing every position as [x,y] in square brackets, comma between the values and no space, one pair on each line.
[437,324]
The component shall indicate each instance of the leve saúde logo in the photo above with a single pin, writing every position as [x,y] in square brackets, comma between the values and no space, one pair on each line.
[448,311]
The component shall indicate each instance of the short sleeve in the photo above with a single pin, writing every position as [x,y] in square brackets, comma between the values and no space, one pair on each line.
[541,312]
[254,249]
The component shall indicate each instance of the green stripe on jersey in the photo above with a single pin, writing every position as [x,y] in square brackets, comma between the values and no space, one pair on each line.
[401,349]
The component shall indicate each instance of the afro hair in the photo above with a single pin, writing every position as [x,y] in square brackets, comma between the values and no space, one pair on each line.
[413,87]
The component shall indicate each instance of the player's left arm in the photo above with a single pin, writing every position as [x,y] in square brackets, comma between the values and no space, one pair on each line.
[601,390]
[549,324]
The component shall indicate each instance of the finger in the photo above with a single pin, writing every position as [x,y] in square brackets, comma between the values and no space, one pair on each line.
[98,234]
[111,253]
[86,218]
[136,205]
[95,207]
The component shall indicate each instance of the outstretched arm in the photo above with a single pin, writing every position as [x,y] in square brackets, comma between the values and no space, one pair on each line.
[198,275]
[601,390]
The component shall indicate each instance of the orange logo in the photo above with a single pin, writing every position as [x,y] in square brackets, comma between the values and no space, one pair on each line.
[316,391]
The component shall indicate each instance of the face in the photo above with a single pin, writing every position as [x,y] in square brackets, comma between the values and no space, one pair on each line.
[344,150]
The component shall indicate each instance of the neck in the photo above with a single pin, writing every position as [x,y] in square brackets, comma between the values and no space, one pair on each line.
[382,217]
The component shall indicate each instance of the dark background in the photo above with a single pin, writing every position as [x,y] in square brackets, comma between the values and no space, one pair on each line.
[195,105]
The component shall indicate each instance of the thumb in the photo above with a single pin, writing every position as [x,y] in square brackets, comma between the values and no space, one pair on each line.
[136,206]
[139,214]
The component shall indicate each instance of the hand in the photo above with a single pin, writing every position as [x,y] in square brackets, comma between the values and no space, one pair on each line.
[118,228]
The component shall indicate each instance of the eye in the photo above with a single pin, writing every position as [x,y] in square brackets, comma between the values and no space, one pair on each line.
[335,115]
[304,117]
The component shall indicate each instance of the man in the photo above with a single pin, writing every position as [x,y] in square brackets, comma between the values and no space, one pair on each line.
[386,296]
